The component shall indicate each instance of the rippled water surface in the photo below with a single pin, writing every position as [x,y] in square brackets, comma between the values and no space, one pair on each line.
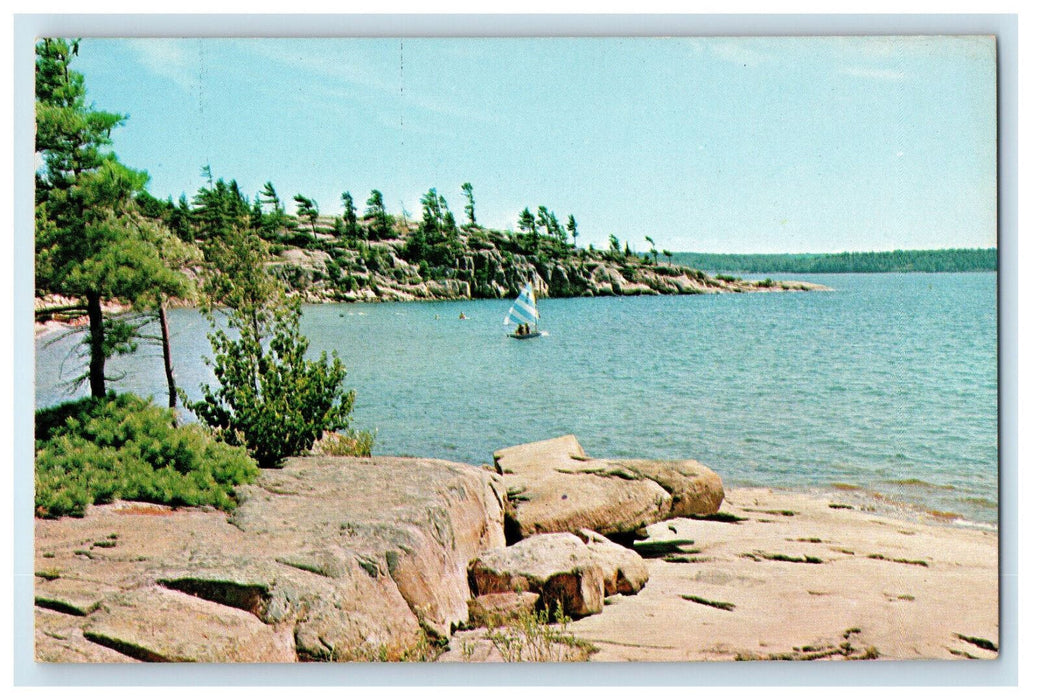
[884,388]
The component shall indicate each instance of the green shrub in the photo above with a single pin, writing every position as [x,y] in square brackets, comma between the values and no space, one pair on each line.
[124,447]
[270,398]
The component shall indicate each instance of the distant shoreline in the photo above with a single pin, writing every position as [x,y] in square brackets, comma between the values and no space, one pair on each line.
[941,260]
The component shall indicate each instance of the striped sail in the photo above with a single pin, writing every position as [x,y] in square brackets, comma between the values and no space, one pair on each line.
[523,310]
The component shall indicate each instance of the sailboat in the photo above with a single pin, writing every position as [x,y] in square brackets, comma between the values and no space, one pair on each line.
[524,313]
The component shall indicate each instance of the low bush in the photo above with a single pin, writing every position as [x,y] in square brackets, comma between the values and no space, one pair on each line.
[124,447]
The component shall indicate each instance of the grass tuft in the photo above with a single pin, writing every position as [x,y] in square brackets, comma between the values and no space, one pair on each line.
[711,603]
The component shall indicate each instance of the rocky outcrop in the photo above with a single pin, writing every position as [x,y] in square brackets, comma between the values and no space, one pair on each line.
[553,486]
[486,264]
[326,559]
[339,559]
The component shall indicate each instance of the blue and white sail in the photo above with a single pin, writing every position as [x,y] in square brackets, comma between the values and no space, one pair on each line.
[524,309]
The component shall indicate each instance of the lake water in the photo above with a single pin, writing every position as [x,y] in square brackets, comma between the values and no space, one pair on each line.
[888,384]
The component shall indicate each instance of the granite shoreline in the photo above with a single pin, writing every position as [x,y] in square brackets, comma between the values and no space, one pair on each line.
[772,575]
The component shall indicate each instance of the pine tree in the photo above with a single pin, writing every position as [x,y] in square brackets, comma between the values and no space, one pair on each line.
[350,215]
[470,206]
[526,221]
[376,213]
[652,248]
[92,241]
[307,209]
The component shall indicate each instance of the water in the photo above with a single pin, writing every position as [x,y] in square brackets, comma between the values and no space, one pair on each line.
[887,384]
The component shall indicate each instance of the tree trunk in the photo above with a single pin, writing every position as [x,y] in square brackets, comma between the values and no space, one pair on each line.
[97,345]
[167,357]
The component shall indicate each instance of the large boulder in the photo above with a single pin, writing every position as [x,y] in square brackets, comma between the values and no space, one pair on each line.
[557,566]
[624,571]
[694,489]
[574,572]
[553,486]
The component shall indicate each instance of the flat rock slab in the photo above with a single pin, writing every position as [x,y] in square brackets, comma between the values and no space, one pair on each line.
[71,596]
[59,639]
[155,624]
[554,486]
[899,589]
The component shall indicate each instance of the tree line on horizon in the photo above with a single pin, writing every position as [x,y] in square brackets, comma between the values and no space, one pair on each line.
[942,260]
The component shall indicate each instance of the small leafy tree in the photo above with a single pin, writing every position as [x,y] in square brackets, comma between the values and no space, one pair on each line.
[667,254]
[270,398]
[571,228]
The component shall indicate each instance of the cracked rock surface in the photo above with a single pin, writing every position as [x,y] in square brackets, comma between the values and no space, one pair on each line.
[326,559]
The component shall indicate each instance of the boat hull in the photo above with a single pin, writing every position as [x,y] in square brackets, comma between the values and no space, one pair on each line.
[525,336]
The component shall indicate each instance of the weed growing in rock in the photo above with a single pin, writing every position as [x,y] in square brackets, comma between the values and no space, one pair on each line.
[353,443]
[533,637]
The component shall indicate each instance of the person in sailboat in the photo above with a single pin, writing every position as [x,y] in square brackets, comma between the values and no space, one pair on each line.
[524,314]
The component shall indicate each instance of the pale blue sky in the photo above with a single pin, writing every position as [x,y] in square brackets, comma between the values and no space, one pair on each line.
[711,145]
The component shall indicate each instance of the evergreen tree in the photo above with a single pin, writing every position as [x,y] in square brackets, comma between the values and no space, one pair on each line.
[218,207]
[92,241]
[350,215]
[652,248]
[307,209]
[273,220]
[376,213]
[543,221]
[554,227]
[571,227]
[526,221]
[432,213]
[470,206]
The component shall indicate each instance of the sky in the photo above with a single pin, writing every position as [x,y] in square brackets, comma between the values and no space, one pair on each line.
[723,145]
